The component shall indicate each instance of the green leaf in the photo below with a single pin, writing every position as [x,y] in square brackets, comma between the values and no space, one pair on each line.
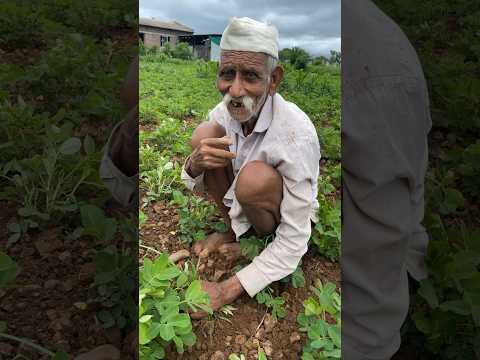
[312,307]
[143,337]
[70,146]
[194,293]
[8,269]
[89,145]
[261,355]
[456,306]
[60,355]
[178,344]
[335,335]
[145,318]
[90,215]
[166,332]
[189,339]
[427,291]
[298,278]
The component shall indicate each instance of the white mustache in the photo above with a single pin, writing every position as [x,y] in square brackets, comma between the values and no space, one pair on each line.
[247,101]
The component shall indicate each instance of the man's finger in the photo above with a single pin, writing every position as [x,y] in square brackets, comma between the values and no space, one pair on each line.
[218,142]
[198,315]
[222,153]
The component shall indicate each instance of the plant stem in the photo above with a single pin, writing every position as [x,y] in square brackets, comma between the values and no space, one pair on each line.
[29,343]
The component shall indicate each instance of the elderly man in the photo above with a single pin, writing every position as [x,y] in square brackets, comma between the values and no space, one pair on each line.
[258,156]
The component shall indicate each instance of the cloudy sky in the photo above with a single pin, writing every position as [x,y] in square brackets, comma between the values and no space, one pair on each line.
[311,24]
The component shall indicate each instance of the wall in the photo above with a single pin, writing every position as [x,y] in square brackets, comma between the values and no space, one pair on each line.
[214,52]
[152,35]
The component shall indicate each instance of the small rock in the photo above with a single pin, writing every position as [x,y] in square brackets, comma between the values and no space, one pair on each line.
[252,344]
[114,336]
[218,355]
[103,352]
[57,337]
[294,337]
[21,305]
[51,284]
[64,256]
[218,275]
[278,356]
[198,346]
[269,323]
[45,247]
[6,349]
[80,305]
[210,263]
[28,251]
[204,346]
[86,272]
[267,347]
[68,285]
[228,338]
[203,357]
[179,255]
[240,339]
[201,267]
[51,314]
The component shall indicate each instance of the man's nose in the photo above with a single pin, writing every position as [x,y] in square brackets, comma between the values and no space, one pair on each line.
[236,89]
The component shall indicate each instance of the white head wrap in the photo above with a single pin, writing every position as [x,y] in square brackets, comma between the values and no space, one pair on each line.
[245,34]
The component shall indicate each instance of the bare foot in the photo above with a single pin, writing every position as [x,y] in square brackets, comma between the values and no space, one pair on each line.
[212,243]
[231,251]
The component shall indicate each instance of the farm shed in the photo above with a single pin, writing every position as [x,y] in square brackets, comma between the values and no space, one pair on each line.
[206,46]
[154,32]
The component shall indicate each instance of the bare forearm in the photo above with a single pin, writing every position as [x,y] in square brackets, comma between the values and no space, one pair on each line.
[124,145]
[232,289]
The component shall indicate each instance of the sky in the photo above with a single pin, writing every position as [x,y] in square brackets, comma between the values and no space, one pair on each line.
[313,25]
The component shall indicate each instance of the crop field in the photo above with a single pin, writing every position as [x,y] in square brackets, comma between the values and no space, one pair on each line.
[295,318]
[63,250]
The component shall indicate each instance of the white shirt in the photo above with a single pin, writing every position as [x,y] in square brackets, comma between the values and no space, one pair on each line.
[385,122]
[285,138]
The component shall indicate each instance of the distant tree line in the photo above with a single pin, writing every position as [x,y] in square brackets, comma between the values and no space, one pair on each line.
[300,58]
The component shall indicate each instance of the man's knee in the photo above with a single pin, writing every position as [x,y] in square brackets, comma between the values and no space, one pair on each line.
[206,130]
[257,182]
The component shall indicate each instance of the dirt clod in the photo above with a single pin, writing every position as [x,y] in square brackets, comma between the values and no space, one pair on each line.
[102,352]
[240,339]
[218,355]
[294,337]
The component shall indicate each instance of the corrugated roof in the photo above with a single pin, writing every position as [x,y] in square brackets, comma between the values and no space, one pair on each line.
[172,25]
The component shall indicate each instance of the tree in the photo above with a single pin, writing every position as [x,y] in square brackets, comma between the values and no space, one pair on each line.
[335,57]
[296,56]
[182,51]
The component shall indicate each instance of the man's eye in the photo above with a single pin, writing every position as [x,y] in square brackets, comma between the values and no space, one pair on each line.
[227,74]
[251,75]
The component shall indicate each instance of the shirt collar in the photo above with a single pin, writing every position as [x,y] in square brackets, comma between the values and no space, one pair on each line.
[263,121]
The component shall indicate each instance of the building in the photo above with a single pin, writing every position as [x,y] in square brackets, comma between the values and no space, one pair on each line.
[155,32]
[206,46]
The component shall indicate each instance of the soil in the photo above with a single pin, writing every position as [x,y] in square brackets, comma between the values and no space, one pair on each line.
[250,324]
[52,294]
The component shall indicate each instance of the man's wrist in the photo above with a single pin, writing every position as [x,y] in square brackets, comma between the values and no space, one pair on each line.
[191,170]
[232,289]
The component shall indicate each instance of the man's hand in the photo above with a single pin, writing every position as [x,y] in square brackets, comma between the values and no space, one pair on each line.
[212,153]
[220,294]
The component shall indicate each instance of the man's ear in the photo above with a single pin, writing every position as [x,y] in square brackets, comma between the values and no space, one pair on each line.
[276,79]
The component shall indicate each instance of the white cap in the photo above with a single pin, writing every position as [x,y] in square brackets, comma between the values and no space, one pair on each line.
[245,34]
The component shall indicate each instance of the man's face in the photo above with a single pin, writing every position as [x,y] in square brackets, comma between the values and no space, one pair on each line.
[243,75]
